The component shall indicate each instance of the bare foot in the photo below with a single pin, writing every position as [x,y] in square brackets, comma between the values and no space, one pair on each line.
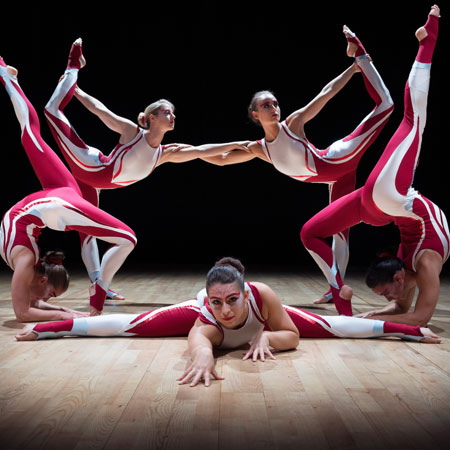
[113,295]
[351,46]
[27,334]
[10,69]
[430,337]
[421,32]
[326,298]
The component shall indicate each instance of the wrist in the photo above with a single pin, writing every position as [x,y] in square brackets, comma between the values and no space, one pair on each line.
[198,351]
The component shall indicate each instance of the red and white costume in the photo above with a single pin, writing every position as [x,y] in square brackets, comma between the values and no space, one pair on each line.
[336,165]
[60,205]
[125,165]
[177,320]
[388,195]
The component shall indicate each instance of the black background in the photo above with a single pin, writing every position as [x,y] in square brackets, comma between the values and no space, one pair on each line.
[209,58]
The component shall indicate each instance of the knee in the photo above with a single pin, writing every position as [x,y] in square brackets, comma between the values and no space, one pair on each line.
[129,244]
[132,243]
[306,234]
[49,107]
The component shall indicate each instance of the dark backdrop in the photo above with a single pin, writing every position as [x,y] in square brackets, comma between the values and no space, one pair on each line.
[208,58]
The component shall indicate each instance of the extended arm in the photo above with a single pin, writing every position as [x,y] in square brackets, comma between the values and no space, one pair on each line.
[124,127]
[179,154]
[201,339]
[253,150]
[283,335]
[41,304]
[391,308]
[297,119]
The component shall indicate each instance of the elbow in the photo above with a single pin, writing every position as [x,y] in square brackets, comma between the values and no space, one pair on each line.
[24,316]
[421,321]
[293,342]
[221,161]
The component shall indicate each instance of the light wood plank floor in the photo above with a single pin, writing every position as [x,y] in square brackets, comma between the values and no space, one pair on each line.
[121,393]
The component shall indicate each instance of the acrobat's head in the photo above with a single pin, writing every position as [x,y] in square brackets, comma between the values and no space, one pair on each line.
[264,108]
[158,114]
[51,278]
[386,276]
[226,291]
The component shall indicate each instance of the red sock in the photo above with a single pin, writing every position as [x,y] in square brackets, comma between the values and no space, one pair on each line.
[60,325]
[401,328]
[361,50]
[344,307]
[97,300]
[426,46]
[74,57]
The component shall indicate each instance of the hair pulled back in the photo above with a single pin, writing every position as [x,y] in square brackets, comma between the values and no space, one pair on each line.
[227,270]
[254,104]
[51,266]
[382,270]
[153,108]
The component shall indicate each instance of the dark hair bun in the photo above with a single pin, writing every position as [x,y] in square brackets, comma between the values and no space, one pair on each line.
[53,257]
[233,262]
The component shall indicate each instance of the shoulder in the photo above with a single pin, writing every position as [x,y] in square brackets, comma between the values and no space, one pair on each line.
[210,331]
[295,123]
[428,258]
[22,257]
[267,297]
[256,148]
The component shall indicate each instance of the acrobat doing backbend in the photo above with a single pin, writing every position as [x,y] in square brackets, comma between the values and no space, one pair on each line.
[59,206]
[388,196]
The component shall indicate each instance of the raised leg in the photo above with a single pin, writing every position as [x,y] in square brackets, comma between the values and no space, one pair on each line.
[349,150]
[49,169]
[388,185]
[83,160]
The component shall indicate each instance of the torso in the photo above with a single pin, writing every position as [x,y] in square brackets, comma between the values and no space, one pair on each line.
[232,338]
[290,154]
[22,224]
[425,228]
[134,161]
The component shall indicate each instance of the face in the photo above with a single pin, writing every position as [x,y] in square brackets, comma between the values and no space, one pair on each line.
[43,290]
[392,291]
[228,304]
[267,110]
[165,117]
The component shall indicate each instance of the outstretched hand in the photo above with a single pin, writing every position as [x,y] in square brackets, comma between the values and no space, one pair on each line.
[75,314]
[259,348]
[366,315]
[200,369]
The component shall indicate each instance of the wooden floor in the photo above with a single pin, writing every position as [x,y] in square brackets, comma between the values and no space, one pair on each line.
[121,393]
